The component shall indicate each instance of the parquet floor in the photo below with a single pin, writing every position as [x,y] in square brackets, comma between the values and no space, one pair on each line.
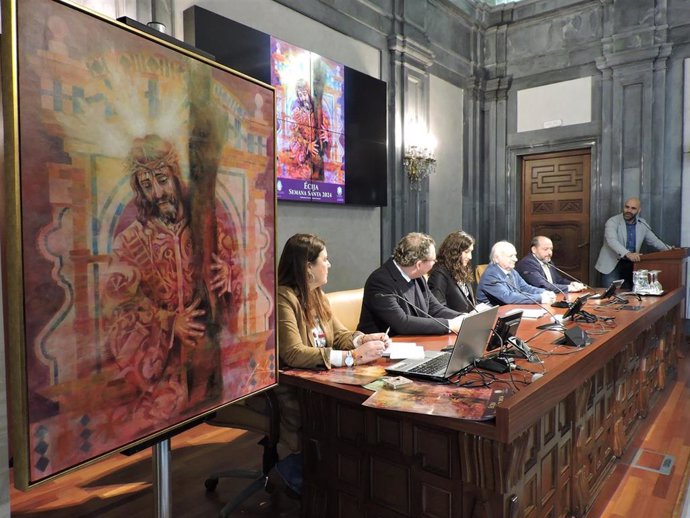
[631,491]
[121,486]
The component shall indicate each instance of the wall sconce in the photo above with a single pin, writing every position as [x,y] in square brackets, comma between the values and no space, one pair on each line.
[419,160]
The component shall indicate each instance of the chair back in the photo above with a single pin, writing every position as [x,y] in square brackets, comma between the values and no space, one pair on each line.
[346,306]
[479,271]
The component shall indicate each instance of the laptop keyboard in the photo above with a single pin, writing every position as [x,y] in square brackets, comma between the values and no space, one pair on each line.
[433,365]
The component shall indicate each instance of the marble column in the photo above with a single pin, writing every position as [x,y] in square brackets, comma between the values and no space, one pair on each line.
[408,94]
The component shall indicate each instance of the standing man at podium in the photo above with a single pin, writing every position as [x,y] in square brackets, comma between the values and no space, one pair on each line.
[623,237]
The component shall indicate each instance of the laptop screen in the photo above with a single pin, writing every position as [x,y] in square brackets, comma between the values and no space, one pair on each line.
[472,340]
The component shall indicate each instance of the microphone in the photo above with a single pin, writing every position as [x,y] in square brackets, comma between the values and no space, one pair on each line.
[587,287]
[555,326]
[557,288]
[653,233]
[561,303]
[379,295]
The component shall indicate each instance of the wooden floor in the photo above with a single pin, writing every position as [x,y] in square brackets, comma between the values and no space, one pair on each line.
[632,491]
[121,486]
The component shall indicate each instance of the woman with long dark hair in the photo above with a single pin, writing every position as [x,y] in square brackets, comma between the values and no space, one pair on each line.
[310,336]
[450,280]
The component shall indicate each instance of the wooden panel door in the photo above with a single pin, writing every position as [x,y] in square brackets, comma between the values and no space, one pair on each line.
[555,203]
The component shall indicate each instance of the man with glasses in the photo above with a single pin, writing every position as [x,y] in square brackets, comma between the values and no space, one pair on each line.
[397,297]
[500,283]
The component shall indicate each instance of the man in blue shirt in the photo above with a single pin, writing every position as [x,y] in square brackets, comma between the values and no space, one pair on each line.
[623,237]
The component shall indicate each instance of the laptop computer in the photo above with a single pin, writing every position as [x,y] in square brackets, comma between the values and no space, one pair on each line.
[470,345]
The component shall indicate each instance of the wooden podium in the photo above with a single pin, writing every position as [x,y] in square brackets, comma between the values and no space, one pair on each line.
[671,263]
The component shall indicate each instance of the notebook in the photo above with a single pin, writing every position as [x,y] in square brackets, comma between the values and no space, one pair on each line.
[470,345]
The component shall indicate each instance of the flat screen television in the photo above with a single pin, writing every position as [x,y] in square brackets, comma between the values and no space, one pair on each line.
[331,120]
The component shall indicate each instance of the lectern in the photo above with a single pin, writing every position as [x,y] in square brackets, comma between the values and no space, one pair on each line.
[671,264]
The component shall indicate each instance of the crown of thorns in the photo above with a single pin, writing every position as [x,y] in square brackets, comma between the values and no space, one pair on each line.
[153,164]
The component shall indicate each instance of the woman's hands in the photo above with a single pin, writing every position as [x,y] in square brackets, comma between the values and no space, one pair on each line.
[369,351]
[373,337]
[371,347]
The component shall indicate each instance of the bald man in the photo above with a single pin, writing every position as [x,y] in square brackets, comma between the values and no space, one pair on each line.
[623,237]
[500,284]
[538,270]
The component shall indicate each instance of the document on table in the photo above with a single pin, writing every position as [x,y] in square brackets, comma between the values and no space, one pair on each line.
[533,313]
[404,351]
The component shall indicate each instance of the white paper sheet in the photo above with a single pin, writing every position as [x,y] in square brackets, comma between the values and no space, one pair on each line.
[404,350]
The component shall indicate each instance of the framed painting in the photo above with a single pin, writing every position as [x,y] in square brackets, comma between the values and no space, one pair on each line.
[139,236]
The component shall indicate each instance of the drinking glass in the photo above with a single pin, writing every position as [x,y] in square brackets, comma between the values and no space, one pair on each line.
[641,282]
[655,285]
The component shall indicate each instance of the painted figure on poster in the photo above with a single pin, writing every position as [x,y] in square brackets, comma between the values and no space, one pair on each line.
[310,136]
[158,303]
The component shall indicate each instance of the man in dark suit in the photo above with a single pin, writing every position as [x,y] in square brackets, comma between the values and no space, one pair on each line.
[393,290]
[500,284]
[537,270]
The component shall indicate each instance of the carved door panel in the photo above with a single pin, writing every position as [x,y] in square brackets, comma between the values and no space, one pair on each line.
[555,203]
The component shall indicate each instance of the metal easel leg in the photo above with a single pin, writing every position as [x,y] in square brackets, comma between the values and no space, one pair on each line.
[161,478]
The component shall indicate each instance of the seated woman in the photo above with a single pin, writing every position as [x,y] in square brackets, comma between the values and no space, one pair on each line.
[450,280]
[310,337]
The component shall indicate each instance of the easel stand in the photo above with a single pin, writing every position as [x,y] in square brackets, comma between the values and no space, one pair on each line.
[160,455]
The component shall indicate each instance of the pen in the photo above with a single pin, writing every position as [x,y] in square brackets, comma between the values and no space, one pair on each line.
[386,341]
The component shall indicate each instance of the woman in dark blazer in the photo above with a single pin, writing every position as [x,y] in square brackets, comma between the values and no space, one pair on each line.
[451,278]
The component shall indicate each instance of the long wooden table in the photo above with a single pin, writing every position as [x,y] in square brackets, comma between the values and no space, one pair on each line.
[546,454]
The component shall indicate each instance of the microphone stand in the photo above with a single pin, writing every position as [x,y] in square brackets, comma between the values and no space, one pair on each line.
[425,313]
[587,287]
[499,363]
[555,326]
[640,220]
[561,304]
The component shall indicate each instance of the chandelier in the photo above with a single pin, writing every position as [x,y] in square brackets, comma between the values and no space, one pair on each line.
[419,160]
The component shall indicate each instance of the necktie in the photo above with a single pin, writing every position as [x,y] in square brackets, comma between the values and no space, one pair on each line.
[547,272]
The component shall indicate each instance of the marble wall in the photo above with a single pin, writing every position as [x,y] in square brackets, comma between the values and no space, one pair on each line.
[634,54]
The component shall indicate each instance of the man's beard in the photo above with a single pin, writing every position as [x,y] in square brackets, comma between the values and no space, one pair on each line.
[167,209]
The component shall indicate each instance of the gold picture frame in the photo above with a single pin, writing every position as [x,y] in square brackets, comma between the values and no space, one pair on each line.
[139,236]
